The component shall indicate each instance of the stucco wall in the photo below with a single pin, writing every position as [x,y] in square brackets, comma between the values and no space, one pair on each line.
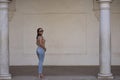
[71,32]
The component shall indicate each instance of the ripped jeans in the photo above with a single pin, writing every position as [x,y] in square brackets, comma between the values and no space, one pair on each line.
[41,54]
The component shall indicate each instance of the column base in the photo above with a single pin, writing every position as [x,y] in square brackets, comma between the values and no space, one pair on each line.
[5,76]
[105,76]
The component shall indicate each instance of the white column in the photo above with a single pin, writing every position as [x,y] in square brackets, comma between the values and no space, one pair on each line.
[4,39]
[105,40]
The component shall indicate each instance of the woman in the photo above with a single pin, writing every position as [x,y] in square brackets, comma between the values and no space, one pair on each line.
[40,41]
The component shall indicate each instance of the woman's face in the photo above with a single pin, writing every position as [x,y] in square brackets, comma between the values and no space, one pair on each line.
[41,31]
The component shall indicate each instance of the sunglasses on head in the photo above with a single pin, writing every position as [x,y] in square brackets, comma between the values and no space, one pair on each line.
[41,31]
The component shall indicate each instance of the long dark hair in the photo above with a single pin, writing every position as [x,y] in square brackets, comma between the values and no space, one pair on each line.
[38,33]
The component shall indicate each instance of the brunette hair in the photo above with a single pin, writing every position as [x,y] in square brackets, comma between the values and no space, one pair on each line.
[38,30]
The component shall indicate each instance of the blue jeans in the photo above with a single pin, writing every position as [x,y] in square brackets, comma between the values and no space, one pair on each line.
[41,54]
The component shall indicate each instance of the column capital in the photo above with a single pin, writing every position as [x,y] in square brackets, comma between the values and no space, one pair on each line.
[104,0]
[4,4]
[104,4]
[4,1]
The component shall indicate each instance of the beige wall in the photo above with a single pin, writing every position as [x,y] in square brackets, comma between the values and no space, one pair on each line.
[71,32]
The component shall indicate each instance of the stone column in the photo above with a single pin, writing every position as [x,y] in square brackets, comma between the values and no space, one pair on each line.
[105,41]
[4,39]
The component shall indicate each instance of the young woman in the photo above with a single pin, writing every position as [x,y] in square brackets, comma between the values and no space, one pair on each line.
[40,41]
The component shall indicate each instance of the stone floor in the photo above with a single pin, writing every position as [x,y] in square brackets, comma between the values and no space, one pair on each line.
[59,78]
[60,72]
[55,78]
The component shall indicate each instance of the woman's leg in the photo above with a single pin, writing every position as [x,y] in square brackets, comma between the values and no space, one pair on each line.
[41,59]
[41,56]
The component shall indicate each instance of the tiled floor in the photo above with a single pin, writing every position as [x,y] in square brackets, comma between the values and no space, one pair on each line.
[60,73]
[55,78]
[59,78]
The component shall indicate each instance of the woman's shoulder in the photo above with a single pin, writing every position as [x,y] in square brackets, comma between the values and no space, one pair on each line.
[40,37]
